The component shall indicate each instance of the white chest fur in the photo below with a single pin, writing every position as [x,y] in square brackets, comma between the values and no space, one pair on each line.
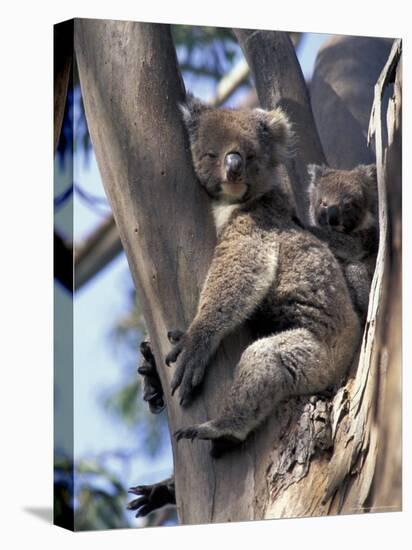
[221,214]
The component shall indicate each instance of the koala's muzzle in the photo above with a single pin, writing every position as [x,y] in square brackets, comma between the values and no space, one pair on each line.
[329,215]
[233,166]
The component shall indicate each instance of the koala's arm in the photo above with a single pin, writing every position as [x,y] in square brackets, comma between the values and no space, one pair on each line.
[242,270]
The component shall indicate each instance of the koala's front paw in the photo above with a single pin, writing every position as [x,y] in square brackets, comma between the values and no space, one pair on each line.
[191,358]
[152,387]
[151,497]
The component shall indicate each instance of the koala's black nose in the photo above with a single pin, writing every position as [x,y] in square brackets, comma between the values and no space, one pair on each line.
[233,165]
[333,215]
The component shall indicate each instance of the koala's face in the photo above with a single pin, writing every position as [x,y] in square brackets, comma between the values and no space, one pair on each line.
[235,152]
[341,199]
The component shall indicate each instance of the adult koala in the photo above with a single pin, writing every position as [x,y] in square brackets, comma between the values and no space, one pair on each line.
[266,269]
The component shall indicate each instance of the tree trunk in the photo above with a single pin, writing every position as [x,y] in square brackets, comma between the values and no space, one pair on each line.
[131,87]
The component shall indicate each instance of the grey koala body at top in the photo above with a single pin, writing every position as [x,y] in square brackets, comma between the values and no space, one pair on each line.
[266,269]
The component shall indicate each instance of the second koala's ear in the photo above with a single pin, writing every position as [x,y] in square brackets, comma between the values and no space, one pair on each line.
[191,109]
[368,171]
[280,129]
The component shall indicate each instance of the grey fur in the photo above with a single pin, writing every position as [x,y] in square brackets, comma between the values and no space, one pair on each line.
[266,269]
[354,241]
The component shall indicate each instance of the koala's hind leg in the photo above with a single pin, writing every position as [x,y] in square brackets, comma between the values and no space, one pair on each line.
[290,363]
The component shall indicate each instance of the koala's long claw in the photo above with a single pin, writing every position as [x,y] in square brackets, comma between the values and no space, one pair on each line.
[140,490]
[177,378]
[174,336]
[136,503]
[185,401]
[172,356]
[150,395]
[145,369]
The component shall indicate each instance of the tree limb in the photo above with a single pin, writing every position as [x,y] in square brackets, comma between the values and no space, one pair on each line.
[93,254]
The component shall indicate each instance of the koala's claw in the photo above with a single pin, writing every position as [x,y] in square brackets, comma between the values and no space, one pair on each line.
[186,433]
[183,379]
[145,369]
[177,379]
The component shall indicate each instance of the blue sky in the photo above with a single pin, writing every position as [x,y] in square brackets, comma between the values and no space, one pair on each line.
[98,305]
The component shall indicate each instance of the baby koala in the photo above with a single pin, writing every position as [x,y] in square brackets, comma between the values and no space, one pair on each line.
[343,211]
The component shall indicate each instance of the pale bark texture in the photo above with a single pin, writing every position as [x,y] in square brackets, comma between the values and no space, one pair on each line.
[131,88]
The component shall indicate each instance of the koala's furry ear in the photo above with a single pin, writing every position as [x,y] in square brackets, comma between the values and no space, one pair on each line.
[280,129]
[368,171]
[191,108]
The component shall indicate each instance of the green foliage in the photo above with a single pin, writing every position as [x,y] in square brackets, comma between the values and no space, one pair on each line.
[98,508]
[87,496]
[205,51]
